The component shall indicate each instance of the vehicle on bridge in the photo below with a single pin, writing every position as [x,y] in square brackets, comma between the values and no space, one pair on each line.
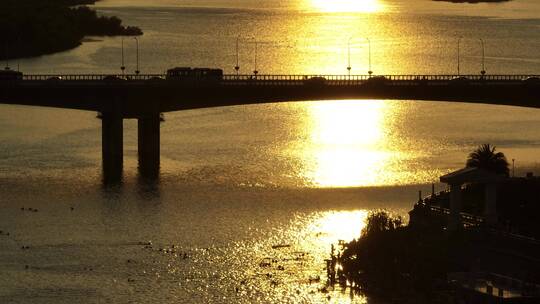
[113,78]
[532,81]
[10,75]
[54,79]
[315,81]
[194,74]
[377,81]
[459,80]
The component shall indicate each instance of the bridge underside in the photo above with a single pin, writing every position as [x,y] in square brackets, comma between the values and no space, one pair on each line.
[145,102]
[134,101]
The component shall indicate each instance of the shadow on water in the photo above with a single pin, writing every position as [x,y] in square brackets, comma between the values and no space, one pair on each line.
[148,187]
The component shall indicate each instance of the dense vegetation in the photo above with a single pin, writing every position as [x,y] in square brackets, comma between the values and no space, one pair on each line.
[36,27]
[472,1]
[400,262]
[485,157]
[410,264]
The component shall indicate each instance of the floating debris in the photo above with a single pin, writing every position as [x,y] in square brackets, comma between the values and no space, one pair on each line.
[266,262]
[280,246]
[314,279]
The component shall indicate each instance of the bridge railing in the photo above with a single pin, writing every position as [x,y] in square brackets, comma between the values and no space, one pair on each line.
[340,80]
[87,77]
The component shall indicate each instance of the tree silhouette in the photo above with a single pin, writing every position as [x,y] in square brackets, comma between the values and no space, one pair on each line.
[485,157]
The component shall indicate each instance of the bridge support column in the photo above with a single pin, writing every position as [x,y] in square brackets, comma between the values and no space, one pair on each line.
[490,209]
[454,220]
[112,146]
[149,141]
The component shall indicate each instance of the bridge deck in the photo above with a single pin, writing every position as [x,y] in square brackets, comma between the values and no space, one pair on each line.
[134,95]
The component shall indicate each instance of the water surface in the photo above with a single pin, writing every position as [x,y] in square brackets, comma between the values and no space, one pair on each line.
[236,181]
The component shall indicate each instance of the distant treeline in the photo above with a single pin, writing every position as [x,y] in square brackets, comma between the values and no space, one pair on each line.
[37,27]
[472,1]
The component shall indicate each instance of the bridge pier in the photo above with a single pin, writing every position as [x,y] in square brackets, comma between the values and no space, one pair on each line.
[149,141]
[112,146]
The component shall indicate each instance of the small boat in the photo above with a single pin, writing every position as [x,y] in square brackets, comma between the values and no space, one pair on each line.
[280,246]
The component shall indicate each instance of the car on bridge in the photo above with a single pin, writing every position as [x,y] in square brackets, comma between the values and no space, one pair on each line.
[113,78]
[54,79]
[532,81]
[194,74]
[315,81]
[10,75]
[155,79]
[460,80]
[377,81]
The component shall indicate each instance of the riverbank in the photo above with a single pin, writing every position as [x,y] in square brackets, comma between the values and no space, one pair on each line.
[33,27]
[424,262]
[473,1]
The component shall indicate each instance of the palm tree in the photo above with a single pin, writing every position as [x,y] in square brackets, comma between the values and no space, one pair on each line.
[485,157]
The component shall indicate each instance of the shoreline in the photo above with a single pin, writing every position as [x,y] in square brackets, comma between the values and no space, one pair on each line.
[33,28]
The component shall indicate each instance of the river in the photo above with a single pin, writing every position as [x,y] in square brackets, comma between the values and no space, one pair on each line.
[236,181]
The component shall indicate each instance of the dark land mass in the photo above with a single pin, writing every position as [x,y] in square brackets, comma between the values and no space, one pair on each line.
[472,1]
[423,264]
[419,261]
[35,27]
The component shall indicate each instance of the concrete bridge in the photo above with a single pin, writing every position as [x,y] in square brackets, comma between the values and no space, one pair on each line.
[145,97]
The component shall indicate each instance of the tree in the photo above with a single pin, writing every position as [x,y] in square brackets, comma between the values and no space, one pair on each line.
[485,157]
[381,221]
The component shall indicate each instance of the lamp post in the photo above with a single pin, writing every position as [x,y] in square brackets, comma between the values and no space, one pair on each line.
[349,56]
[7,56]
[237,67]
[483,71]
[369,56]
[123,67]
[18,50]
[513,168]
[458,42]
[255,72]
[137,55]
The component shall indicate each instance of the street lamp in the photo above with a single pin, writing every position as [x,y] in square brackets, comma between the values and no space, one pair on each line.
[7,56]
[123,67]
[237,67]
[483,71]
[458,42]
[349,56]
[369,54]
[137,55]
[255,72]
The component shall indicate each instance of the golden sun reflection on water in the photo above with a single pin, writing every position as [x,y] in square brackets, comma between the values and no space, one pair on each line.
[353,6]
[340,225]
[350,145]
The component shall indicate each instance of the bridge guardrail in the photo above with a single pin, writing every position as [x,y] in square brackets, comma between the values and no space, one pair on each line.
[280,80]
[287,78]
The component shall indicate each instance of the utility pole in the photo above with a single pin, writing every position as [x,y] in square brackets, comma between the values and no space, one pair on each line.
[483,71]
[369,56]
[458,59]
[123,67]
[137,55]
[237,67]
[349,56]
